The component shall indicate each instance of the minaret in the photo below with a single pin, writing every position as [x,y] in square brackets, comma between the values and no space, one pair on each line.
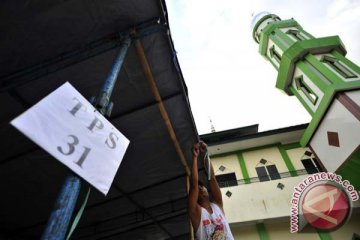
[317,73]
[212,126]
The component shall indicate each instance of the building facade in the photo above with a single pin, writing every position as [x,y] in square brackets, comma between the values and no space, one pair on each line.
[257,173]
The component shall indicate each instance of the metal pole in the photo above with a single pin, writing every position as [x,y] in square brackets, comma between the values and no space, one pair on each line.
[103,101]
[60,217]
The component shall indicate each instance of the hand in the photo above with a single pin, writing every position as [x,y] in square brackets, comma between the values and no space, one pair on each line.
[196,150]
[203,146]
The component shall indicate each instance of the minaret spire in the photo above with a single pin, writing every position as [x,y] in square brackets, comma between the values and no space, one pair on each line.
[212,126]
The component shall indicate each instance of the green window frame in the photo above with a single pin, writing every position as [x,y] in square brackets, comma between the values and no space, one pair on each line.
[302,86]
[274,54]
[296,34]
[336,65]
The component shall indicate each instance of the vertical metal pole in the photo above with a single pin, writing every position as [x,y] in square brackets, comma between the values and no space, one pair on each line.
[103,99]
[60,217]
[65,203]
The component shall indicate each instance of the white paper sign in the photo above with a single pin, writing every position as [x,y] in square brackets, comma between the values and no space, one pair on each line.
[68,127]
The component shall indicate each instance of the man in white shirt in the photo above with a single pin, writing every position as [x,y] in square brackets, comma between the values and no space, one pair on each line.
[207,218]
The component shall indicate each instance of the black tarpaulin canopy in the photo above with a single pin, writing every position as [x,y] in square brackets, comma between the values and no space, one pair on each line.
[46,43]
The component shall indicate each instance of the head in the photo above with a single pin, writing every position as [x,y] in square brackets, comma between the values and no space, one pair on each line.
[203,193]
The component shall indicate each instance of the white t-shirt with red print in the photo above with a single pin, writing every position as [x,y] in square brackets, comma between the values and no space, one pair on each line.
[213,226]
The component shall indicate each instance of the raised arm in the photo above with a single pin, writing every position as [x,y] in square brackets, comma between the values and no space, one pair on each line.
[213,184]
[193,206]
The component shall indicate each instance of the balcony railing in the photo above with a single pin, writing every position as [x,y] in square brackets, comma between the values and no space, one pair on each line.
[257,179]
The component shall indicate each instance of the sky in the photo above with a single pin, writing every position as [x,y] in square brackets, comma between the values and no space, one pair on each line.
[228,80]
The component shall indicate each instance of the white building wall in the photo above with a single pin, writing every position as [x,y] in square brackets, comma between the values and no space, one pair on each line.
[262,200]
[296,155]
[281,231]
[355,96]
[271,154]
[231,164]
[337,119]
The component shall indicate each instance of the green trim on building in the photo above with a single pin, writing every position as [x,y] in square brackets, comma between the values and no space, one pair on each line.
[263,44]
[296,35]
[334,79]
[349,63]
[312,76]
[277,42]
[303,86]
[261,229]
[260,21]
[243,168]
[287,161]
[338,83]
[272,63]
[346,86]
[350,170]
[338,66]
[284,38]
[317,116]
[321,110]
[264,37]
[300,49]
[302,101]
[308,34]
[323,235]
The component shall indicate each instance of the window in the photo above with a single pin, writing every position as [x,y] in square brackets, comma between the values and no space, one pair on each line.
[309,166]
[226,180]
[320,168]
[274,54]
[338,67]
[296,34]
[266,171]
[273,172]
[310,163]
[302,86]
[262,174]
